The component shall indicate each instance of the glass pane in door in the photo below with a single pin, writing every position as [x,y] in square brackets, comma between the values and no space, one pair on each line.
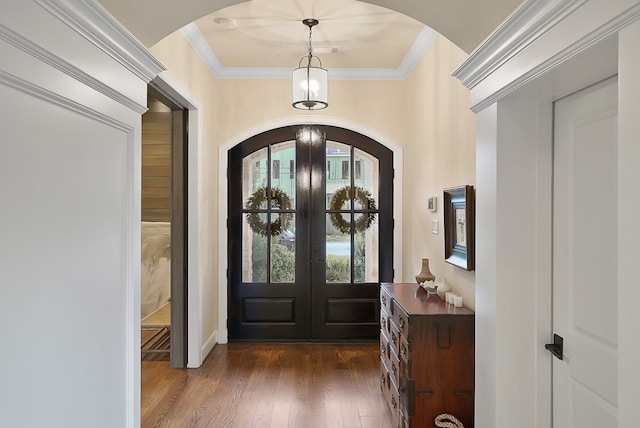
[254,254]
[367,246]
[338,230]
[352,210]
[254,245]
[338,246]
[268,243]
[283,203]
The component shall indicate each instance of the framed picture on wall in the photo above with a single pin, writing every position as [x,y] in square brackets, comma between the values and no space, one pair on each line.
[459,227]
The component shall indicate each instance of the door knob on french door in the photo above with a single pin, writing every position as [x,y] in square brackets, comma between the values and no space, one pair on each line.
[556,347]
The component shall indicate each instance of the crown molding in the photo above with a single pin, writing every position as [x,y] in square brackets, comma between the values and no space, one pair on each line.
[420,46]
[23,86]
[417,51]
[96,25]
[603,32]
[60,64]
[530,21]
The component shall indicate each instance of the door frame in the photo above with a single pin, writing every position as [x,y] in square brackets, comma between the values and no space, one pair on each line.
[316,307]
[222,332]
[514,276]
[172,89]
[179,121]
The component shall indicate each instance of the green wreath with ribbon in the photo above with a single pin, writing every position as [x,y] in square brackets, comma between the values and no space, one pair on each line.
[259,200]
[341,196]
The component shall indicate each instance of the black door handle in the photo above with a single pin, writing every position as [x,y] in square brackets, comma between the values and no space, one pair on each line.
[556,347]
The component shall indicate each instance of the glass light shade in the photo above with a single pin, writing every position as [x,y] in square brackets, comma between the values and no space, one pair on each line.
[310,88]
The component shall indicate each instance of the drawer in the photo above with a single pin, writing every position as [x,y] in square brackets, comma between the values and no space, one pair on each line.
[394,404]
[385,300]
[385,381]
[394,336]
[401,320]
[385,349]
[385,321]
[394,366]
[405,348]
[390,392]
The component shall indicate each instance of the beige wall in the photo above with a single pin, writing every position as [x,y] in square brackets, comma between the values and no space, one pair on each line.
[427,115]
[439,153]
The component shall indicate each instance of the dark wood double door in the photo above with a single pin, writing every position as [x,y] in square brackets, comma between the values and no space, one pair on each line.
[310,235]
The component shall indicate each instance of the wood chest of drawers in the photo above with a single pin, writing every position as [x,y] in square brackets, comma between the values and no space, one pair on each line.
[426,357]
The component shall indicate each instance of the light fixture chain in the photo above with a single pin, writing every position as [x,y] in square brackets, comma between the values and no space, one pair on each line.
[310,49]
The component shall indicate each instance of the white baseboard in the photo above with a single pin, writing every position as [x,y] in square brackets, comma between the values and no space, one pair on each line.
[206,348]
[209,344]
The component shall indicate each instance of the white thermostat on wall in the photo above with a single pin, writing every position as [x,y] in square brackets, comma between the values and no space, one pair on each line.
[433,203]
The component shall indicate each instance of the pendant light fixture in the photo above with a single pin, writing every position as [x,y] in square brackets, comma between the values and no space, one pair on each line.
[310,83]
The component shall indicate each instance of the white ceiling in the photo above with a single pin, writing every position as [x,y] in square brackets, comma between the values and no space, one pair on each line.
[354,39]
[466,23]
[269,33]
[267,39]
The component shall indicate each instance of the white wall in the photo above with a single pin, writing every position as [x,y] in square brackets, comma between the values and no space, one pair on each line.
[70,247]
[66,191]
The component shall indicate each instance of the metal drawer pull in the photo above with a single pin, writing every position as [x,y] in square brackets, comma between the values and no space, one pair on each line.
[393,337]
[383,349]
[384,300]
[382,380]
[403,349]
[393,368]
[401,321]
[393,403]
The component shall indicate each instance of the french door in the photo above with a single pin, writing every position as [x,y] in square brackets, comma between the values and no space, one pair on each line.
[310,234]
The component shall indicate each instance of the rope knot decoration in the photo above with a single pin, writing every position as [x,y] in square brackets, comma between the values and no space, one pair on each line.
[259,200]
[360,195]
[446,420]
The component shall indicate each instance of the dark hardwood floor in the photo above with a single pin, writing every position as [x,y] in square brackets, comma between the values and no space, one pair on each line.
[299,385]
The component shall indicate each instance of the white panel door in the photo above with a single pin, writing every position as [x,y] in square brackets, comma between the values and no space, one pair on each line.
[584,258]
